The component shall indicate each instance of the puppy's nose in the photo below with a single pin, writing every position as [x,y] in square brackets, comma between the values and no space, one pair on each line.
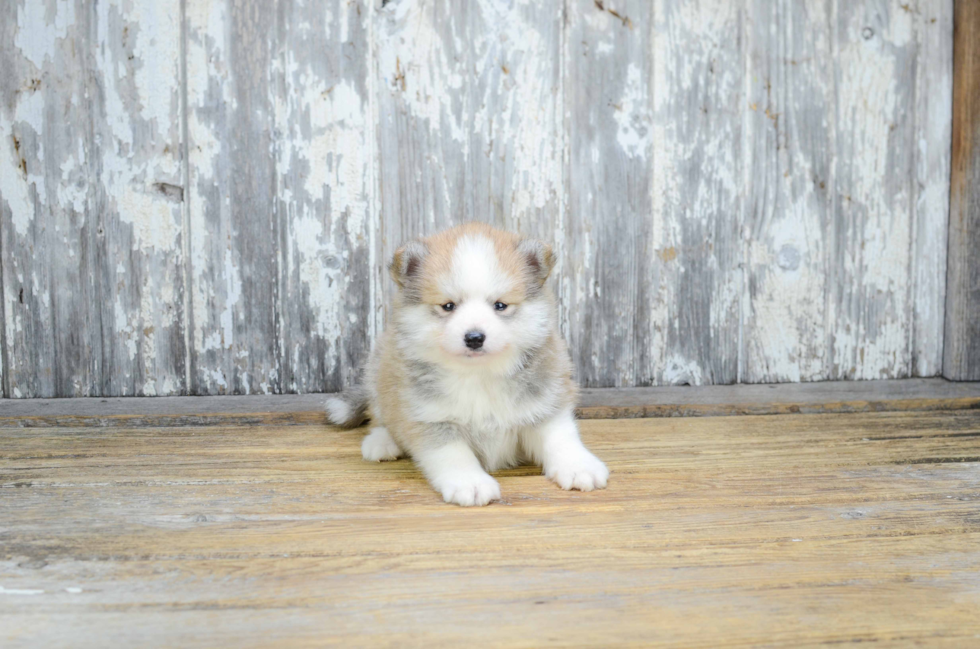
[474,339]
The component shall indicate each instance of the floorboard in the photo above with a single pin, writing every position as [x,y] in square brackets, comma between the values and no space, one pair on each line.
[787,529]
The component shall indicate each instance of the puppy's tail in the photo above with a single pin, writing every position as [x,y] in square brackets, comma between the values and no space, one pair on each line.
[348,409]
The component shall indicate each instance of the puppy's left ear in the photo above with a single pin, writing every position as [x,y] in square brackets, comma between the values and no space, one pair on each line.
[538,257]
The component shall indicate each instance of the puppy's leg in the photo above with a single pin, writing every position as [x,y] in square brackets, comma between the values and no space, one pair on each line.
[454,471]
[555,444]
[380,446]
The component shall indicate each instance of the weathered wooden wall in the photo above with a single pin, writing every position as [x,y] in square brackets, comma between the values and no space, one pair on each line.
[962,350]
[198,196]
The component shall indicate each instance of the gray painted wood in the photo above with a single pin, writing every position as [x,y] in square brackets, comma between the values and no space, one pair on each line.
[933,108]
[139,163]
[89,124]
[654,207]
[751,191]
[326,208]
[846,206]
[611,271]
[872,180]
[283,217]
[962,354]
[697,188]
[234,264]
[52,316]
[789,99]
[470,127]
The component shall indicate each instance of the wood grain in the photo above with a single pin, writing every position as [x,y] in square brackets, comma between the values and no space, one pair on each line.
[234,256]
[789,94]
[608,284]
[849,151]
[797,530]
[933,106]
[692,332]
[200,197]
[283,264]
[91,199]
[961,360]
[328,222]
[872,185]
[470,125]
[651,291]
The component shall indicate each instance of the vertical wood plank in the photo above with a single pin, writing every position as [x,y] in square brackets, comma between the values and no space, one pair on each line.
[845,223]
[51,308]
[654,200]
[4,388]
[693,276]
[90,189]
[933,20]
[609,104]
[961,360]
[284,254]
[875,56]
[235,256]
[328,226]
[789,211]
[140,170]
[470,124]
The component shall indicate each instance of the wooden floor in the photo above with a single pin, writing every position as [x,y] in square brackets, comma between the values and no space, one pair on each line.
[792,529]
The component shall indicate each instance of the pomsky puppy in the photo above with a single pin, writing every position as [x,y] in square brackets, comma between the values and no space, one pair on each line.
[472,375]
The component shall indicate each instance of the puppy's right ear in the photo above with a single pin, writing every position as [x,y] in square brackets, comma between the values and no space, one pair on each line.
[407,263]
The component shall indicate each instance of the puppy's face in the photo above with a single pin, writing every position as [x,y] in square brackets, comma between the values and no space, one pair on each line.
[473,296]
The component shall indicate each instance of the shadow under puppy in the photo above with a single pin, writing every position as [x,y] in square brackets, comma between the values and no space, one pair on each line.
[472,375]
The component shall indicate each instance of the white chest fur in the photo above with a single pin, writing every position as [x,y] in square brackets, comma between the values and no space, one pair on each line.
[491,411]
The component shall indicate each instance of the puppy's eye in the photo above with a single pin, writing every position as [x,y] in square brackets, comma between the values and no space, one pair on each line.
[500,306]
[448,306]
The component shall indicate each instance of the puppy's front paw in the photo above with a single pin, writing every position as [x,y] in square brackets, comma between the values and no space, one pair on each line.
[578,470]
[469,489]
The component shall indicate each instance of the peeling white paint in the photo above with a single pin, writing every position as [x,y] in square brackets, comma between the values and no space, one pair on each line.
[472,111]
[207,71]
[37,36]
[632,115]
[15,183]
[218,378]
[124,328]
[233,293]
[681,371]
[211,341]
[14,187]
[424,85]
[128,178]
[157,28]
[326,285]
[337,152]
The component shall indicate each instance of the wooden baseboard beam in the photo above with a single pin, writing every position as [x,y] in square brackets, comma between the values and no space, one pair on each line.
[608,403]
